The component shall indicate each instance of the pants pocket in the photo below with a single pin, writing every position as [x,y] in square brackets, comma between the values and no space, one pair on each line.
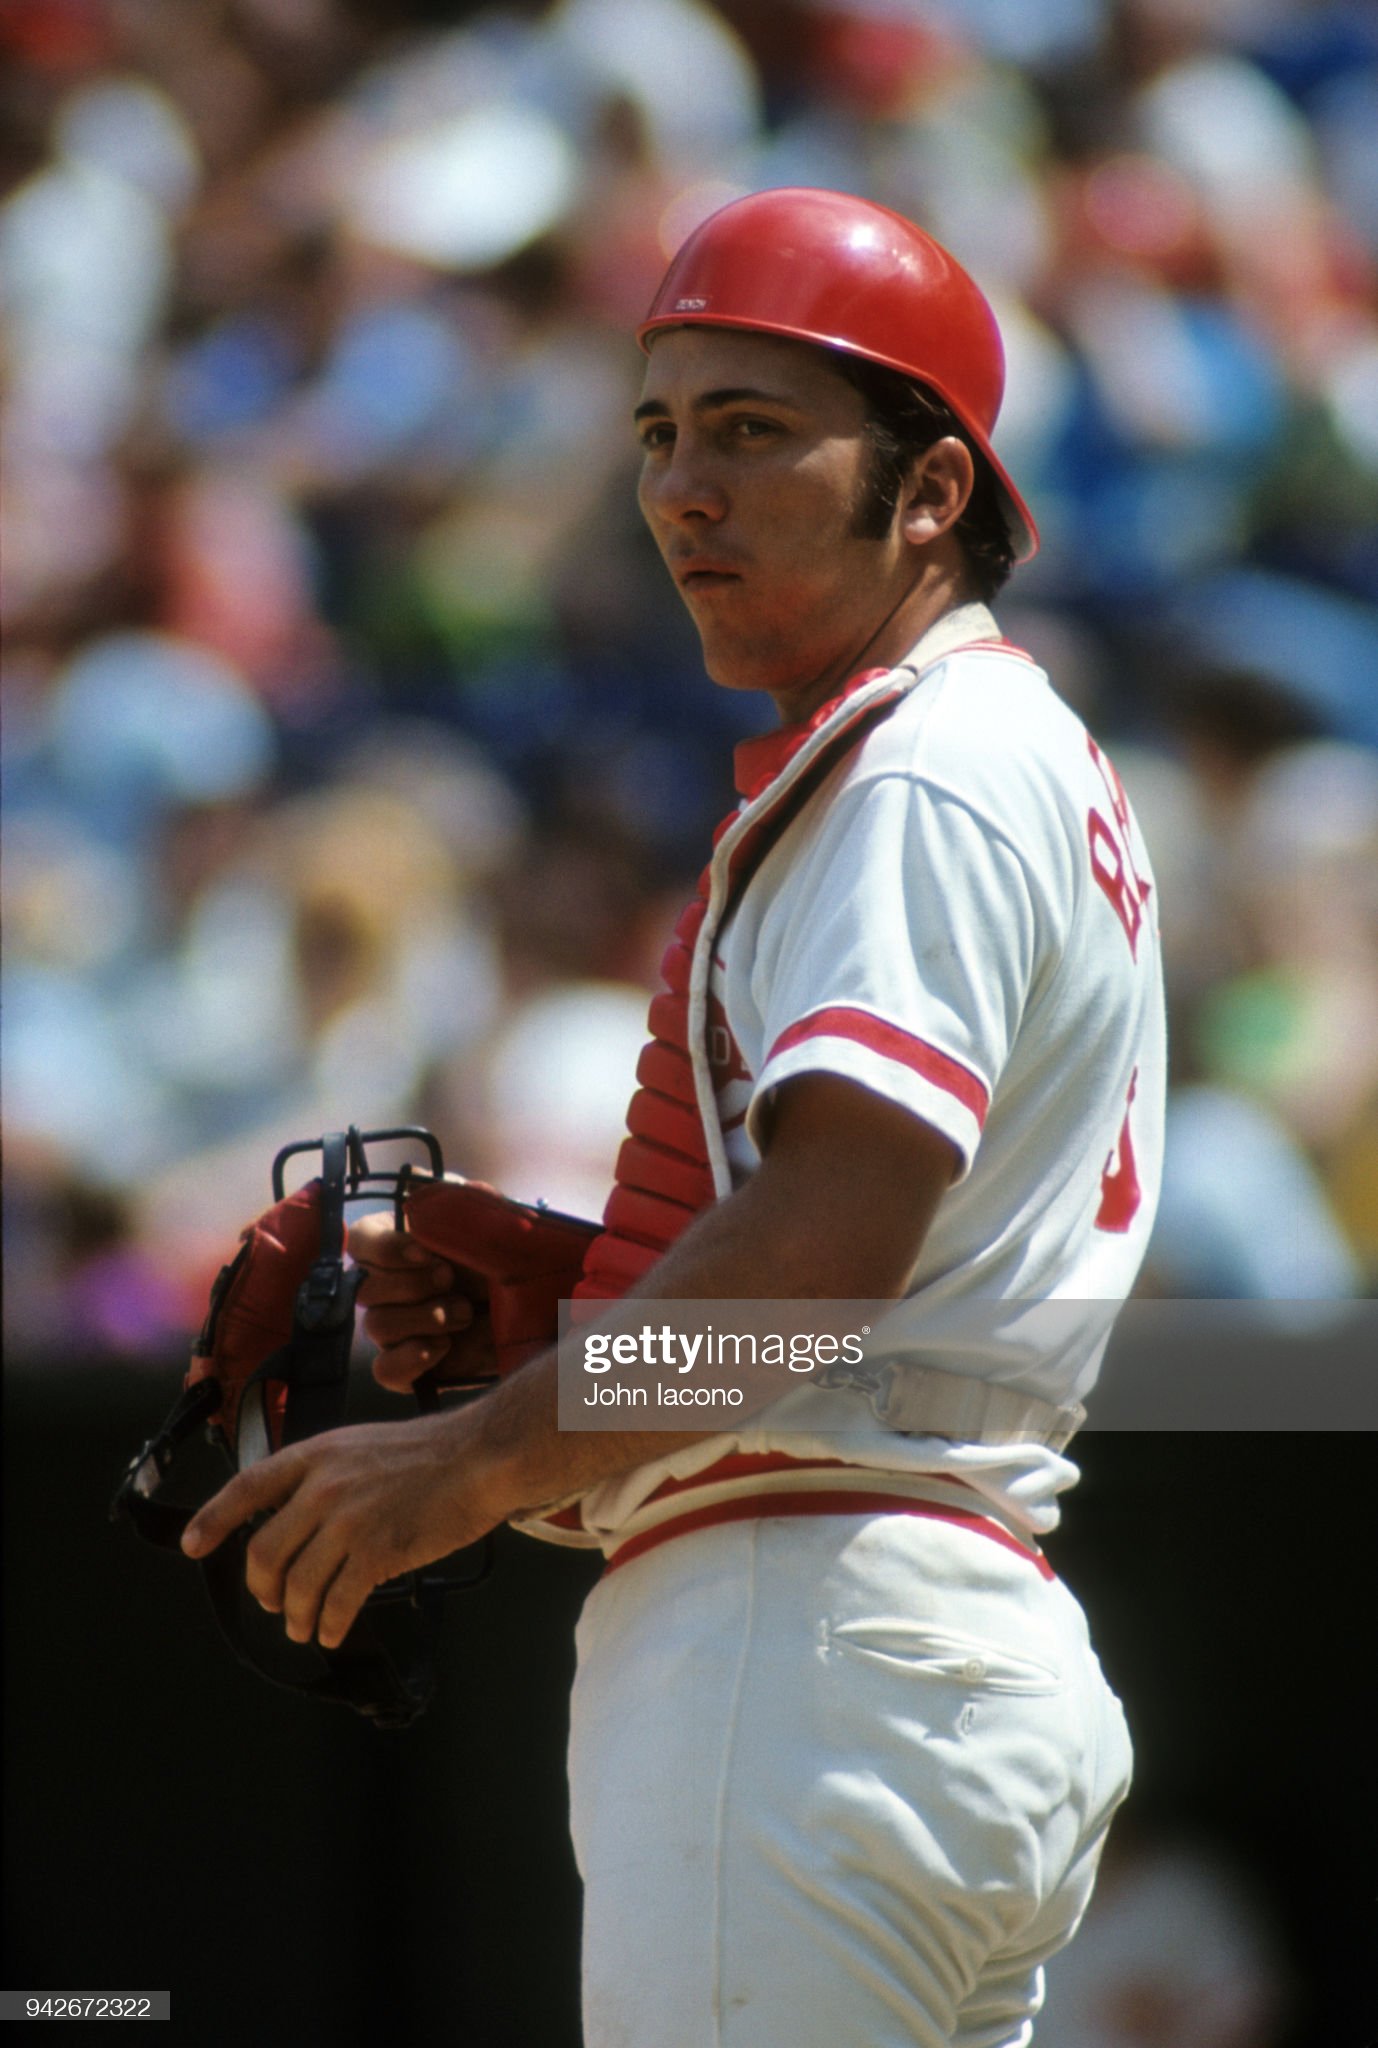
[941,1653]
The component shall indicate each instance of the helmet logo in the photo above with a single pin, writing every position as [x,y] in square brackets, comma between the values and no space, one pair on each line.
[690,305]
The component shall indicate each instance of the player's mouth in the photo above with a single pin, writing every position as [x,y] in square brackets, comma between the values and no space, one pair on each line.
[698,576]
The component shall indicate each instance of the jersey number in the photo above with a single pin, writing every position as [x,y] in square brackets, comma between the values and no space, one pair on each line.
[1112,863]
[1120,1193]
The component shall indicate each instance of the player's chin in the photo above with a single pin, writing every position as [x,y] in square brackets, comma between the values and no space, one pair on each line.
[733,664]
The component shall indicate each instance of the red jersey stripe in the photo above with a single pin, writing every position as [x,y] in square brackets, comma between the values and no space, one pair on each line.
[891,1043]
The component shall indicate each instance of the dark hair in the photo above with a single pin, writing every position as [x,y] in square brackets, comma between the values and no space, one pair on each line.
[904,419]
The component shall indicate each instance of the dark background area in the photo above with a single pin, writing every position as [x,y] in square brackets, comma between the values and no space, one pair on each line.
[292,1875]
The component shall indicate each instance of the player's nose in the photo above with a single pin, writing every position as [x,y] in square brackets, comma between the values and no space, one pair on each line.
[684,486]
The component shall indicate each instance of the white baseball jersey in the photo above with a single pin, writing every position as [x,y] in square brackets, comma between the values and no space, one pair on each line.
[961,917]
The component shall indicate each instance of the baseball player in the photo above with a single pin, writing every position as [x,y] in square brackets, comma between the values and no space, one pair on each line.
[842,1759]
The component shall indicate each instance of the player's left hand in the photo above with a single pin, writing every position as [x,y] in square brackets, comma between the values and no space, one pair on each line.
[347,1510]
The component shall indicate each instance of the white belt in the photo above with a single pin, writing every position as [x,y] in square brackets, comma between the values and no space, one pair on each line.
[922,1400]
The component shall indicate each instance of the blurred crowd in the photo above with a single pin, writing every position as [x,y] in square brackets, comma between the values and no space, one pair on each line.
[356,755]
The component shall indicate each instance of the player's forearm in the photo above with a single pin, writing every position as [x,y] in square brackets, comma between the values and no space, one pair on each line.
[837,1211]
[749,1247]
[513,1441]
[512,1437]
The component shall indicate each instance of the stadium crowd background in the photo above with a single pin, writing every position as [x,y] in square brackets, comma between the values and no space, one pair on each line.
[356,754]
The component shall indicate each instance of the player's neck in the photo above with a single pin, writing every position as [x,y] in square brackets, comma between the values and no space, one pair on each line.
[941,588]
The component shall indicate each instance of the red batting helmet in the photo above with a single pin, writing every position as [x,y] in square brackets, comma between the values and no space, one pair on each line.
[844,273]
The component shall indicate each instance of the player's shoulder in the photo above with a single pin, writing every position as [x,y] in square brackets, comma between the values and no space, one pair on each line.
[985,715]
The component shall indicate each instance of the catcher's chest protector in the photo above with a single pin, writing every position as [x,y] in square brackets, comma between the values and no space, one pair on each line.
[664,1176]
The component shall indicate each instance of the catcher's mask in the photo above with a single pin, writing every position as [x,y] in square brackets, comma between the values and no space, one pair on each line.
[269,1368]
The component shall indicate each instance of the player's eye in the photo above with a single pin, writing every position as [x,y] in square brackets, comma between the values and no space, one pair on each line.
[656,434]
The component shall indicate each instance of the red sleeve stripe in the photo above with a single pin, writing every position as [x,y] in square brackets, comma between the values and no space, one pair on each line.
[996,647]
[892,1044]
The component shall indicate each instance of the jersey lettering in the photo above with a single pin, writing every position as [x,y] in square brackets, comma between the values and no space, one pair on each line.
[1120,1192]
[1112,862]
[724,1053]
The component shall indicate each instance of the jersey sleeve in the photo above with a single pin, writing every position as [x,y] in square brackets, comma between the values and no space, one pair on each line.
[902,958]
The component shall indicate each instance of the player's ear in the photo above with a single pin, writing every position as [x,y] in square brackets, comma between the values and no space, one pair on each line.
[936,490]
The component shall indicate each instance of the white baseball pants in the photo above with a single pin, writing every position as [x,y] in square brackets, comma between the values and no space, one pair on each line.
[836,1782]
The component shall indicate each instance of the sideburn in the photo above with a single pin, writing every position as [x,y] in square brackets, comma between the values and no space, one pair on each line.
[880,487]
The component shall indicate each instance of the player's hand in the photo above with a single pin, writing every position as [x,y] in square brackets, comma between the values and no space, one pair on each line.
[347,1510]
[423,1313]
